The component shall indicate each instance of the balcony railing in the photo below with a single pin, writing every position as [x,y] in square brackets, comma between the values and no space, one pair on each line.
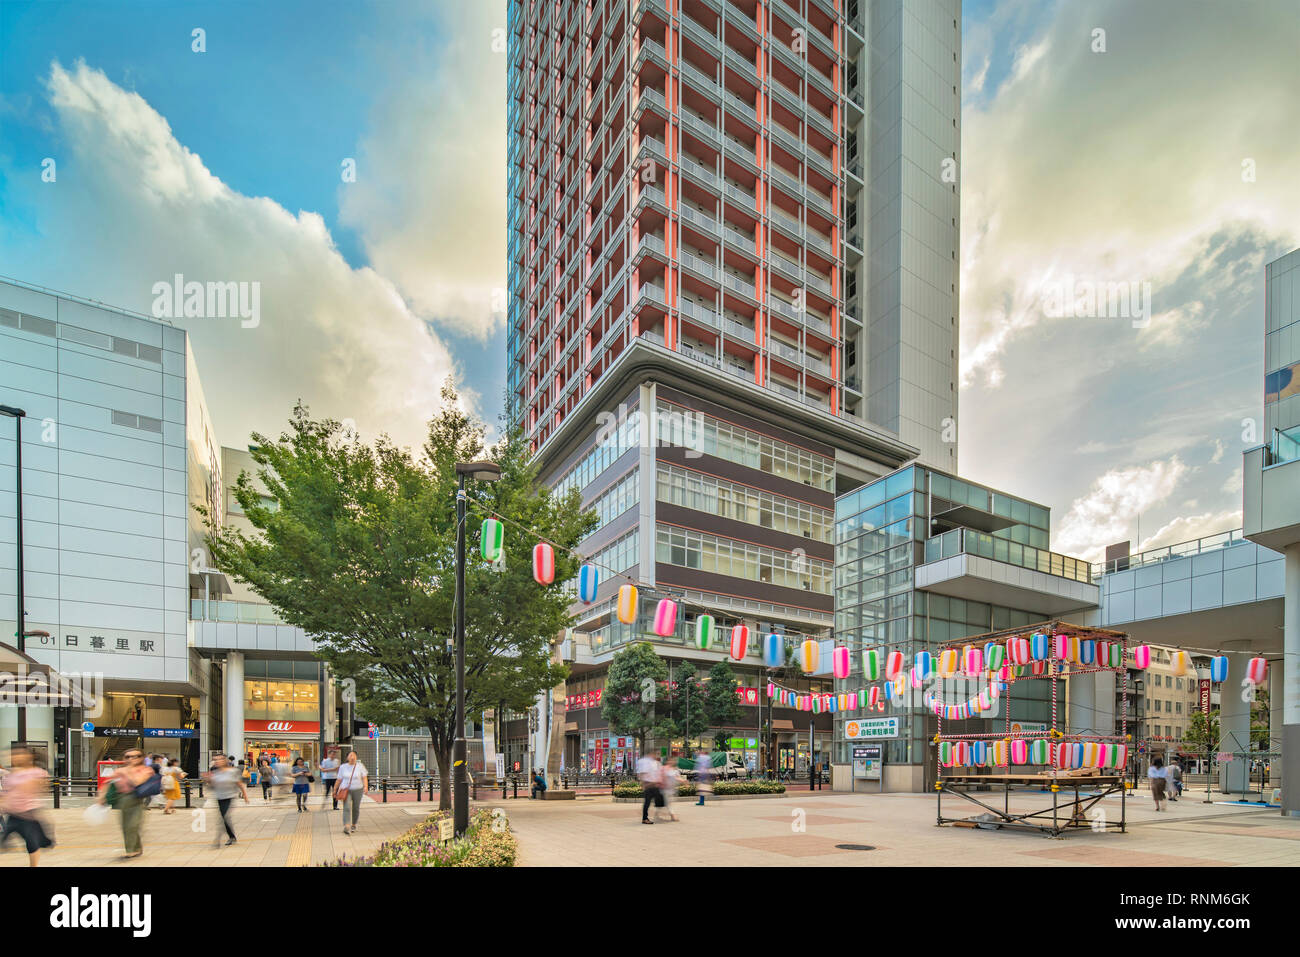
[247,612]
[1197,546]
[1284,447]
[968,541]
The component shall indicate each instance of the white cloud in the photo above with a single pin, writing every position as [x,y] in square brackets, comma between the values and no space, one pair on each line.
[429,202]
[1188,528]
[133,206]
[1107,512]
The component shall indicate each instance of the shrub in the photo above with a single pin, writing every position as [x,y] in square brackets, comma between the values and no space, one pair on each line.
[487,843]
[749,787]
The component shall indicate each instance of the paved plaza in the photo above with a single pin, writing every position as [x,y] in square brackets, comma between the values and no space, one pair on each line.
[899,827]
[595,830]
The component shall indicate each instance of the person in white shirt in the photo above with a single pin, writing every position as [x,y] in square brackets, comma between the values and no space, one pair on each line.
[329,772]
[349,786]
[1156,774]
[649,772]
[668,788]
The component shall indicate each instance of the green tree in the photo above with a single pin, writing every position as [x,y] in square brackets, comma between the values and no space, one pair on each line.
[686,702]
[721,703]
[1202,733]
[635,701]
[357,547]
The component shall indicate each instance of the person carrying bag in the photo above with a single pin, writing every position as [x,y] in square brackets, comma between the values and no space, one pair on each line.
[352,782]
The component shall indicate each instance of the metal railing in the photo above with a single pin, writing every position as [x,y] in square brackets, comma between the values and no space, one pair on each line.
[971,542]
[1283,447]
[1197,546]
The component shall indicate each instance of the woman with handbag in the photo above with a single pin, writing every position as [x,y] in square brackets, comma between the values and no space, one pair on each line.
[349,786]
[26,785]
[302,779]
[128,791]
[171,787]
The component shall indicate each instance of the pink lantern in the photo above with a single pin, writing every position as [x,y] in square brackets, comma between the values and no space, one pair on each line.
[1142,656]
[771,690]
[1018,651]
[853,701]
[739,642]
[840,662]
[1019,751]
[974,661]
[1257,671]
[666,617]
[1061,647]
[543,563]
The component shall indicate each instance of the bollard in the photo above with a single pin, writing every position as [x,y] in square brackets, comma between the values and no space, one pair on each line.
[473,785]
[418,785]
[187,794]
[56,793]
[384,787]
[516,794]
[504,783]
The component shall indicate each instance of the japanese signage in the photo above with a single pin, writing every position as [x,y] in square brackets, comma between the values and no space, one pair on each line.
[144,732]
[871,728]
[578,702]
[1205,695]
[99,640]
[747,696]
[741,744]
[285,727]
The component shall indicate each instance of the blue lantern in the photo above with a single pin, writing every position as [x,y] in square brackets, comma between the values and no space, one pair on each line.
[924,665]
[1219,668]
[1087,651]
[1038,647]
[588,579]
[774,651]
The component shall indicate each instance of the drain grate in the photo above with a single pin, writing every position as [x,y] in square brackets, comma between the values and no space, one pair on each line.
[855,847]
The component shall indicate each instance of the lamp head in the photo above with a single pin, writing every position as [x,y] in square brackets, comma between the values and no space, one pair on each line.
[479,471]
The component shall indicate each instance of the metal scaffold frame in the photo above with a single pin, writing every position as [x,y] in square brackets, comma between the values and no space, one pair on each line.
[1072,810]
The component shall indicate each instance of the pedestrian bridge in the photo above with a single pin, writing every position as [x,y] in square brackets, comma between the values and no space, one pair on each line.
[1220,593]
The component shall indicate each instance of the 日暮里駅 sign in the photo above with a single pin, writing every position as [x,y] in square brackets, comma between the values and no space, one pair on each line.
[871,728]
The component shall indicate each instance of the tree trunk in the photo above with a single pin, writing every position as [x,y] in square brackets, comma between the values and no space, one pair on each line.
[443,757]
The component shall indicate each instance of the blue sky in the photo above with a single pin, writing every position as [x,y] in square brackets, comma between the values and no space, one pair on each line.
[1124,164]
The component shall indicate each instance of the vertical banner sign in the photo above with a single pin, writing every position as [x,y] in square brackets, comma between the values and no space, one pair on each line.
[1205,696]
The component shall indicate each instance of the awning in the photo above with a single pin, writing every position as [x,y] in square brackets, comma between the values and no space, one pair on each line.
[220,582]
[572,726]
[780,724]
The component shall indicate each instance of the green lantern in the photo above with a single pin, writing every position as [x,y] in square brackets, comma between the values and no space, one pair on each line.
[704,632]
[491,539]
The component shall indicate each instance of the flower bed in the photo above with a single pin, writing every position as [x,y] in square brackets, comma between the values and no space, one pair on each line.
[632,789]
[487,843]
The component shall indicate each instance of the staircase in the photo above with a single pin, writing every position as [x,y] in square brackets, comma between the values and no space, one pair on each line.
[115,748]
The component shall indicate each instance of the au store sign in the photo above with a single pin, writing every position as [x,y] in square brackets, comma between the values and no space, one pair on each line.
[871,728]
[282,727]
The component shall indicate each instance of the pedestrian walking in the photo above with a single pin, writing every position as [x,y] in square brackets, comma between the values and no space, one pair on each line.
[668,787]
[649,772]
[226,784]
[350,785]
[25,787]
[329,772]
[703,775]
[171,787]
[1175,779]
[1157,775]
[265,777]
[127,792]
[301,782]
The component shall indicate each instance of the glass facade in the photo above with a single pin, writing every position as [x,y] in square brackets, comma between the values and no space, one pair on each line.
[880,536]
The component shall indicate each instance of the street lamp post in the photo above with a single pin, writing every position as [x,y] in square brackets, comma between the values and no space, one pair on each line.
[483,472]
[21,630]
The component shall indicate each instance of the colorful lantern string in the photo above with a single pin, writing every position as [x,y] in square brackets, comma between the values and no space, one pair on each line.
[871,664]
[739,642]
[1219,668]
[491,539]
[1142,656]
[543,563]
[627,600]
[809,653]
[1257,671]
[994,655]
[923,665]
[703,631]
[588,580]
[665,617]
[893,665]
[1179,663]
[840,662]
[774,651]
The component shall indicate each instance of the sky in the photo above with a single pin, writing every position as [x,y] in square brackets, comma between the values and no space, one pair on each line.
[1158,153]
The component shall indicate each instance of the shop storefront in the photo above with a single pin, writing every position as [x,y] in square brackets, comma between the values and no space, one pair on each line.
[286,740]
[282,712]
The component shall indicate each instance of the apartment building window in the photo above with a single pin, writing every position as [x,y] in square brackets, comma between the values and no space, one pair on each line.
[741,503]
[616,500]
[723,556]
[606,451]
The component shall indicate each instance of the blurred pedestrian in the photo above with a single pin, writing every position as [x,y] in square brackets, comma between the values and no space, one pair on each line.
[301,783]
[329,772]
[171,787]
[226,784]
[265,777]
[649,772]
[703,775]
[127,792]
[668,787]
[24,792]
[349,787]
[1175,779]
[1157,775]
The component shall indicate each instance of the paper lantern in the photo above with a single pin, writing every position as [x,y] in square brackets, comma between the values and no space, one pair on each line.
[853,701]
[945,753]
[994,655]
[889,691]
[808,655]
[900,687]
[703,631]
[1040,752]
[771,690]
[961,754]
[1061,647]
[979,753]
[739,642]
[665,617]
[543,563]
[1076,755]
[1020,751]
[627,598]
[1119,756]
[986,701]
[1018,650]
[1038,668]
[774,651]
[871,664]
[893,665]
[923,665]
[1142,656]
[1257,671]
[588,579]
[1087,651]
[816,704]
[947,662]
[492,537]
[974,660]
[840,662]
[1103,653]
[1061,755]
[1089,759]
[1038,647]
[1103,755]
[1000,753]
[1180,663]
[1219,668]
[873,695]
[1115,657]
[995,689]
[833,704]
[842,701]
[915,677]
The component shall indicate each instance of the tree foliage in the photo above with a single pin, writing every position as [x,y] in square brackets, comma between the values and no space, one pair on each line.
[721,704]
[357,547]
[635,702]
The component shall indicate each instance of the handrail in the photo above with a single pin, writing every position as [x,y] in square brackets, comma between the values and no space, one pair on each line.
[1196,546]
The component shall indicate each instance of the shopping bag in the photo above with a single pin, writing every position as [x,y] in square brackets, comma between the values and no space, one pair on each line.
[96,814]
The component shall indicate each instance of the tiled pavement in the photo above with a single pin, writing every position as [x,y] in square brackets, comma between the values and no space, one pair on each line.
[899,827]
[273,835]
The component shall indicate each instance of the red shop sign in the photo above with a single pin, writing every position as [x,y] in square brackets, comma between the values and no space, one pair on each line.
[282,727]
